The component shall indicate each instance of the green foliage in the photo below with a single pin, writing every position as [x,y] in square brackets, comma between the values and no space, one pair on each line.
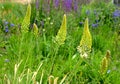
[27,59]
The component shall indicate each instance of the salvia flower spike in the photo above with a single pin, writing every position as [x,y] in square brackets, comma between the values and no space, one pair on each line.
[35,30]
[26,21]
[61,35]
[86,41]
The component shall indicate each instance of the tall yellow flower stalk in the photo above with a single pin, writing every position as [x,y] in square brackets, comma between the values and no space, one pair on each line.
[26,21]
[86,41]
[35,30]
[105,63]
[61,35]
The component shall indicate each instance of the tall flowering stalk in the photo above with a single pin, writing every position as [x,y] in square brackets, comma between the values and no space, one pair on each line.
[86,41]
[104,63]
[26,21]
[61,35]
[35,30]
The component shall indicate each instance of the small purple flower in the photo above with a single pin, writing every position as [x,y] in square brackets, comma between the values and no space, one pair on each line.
[6,29]
[95,25]
[116,13]
[81,23]
[12,25]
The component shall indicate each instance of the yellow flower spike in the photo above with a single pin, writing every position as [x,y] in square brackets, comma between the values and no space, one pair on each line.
[26,21]
[105,63]
[61,35]
[86,41]
[35,30]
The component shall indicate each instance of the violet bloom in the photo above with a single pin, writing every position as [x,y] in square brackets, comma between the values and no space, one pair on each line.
[81,23]
[95,25]
[12,25]
[56,3]
[37,4]
[75,5]
[6,29]
[116,13]
[67,4]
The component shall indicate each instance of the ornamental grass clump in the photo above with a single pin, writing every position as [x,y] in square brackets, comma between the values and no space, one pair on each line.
[104,63]
[86,41]
[26,21]
[61,35]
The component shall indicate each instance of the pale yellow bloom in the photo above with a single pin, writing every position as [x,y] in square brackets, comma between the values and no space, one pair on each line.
[61,35]
[35,29]
[86,41]
[26,21]
[105,63]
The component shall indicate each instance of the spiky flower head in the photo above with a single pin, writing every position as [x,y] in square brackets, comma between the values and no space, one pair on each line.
[61,35]
[26,21]
[105,63]
[35,30]
[86,41]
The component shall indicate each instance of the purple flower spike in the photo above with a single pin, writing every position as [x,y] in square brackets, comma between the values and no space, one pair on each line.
[67,4]
[56,3]
[75,5]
